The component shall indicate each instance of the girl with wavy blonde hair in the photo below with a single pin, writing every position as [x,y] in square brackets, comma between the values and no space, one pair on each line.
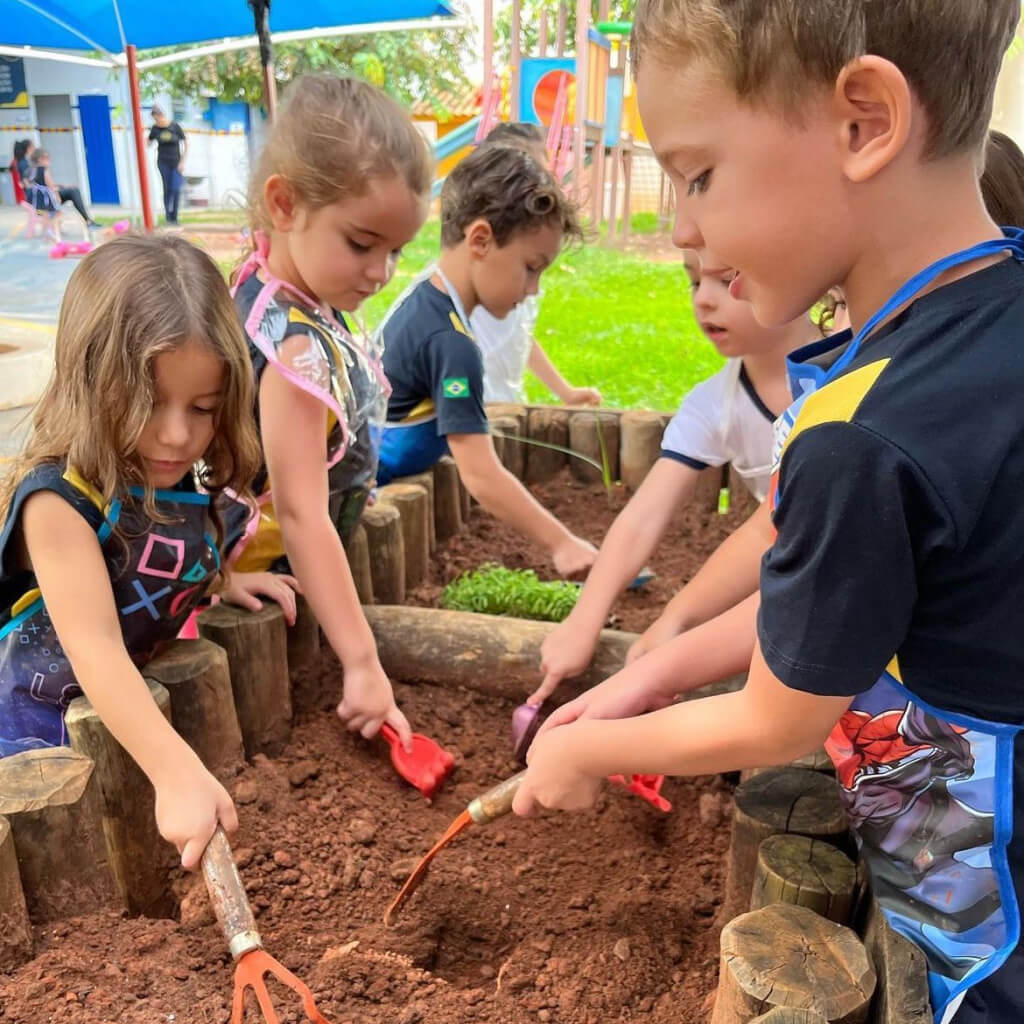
[109,538]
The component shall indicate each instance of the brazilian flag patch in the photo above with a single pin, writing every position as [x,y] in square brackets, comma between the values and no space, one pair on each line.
[456,387]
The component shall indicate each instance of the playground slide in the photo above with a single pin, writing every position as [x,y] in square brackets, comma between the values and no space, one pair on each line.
[451,148]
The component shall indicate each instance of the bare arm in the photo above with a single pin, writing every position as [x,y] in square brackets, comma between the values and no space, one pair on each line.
[764,723]
[540,365]
[501,494]
[184,153]
[69,566]
[293,426]
[627,546]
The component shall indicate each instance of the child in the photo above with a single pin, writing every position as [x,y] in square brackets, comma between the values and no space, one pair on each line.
[42,191]
[341,185]
[503,222]
[508,344]
[890,600]
[106,544]
[727,418]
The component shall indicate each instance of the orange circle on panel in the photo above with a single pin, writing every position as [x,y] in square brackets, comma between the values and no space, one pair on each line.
[545,95]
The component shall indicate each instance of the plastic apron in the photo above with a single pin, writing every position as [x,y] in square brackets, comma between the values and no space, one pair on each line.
[929,793]
[410,448]
[328,363]
[159,571]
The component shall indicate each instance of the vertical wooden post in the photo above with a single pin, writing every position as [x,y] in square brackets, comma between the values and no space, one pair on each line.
[15,928]
[414,511]
[426,481]
[627,191]
[51,798]
[563,21]
[583,438]
[303,638]
[489,48]
[195,674]
[543,34]
[582,90]
[387,552]
[505,429]
[138,855]
[358,553]
[447,500]
[613,214]
[256,644]
[640,435]
[552,427]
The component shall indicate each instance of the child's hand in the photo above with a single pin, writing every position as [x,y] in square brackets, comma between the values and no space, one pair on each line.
[573,556]
[189,804]
[621,696]
[553,779]
[657,633]
[565,653]
[582,396]
[243,587]
[368,702]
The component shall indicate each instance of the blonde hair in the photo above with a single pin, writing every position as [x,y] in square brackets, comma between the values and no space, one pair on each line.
[331,138]
[950,51]
[130,300]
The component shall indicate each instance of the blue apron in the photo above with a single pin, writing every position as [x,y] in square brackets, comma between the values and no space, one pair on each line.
[159,571]
[929,793]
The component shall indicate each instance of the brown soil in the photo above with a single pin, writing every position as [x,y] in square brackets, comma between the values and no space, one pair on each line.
[587,510]
[581,919]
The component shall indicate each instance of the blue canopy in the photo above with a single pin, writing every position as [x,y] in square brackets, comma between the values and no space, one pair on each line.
[98,24]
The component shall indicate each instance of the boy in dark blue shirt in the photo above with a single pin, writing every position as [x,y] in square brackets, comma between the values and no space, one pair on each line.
[891,619]
[503,222]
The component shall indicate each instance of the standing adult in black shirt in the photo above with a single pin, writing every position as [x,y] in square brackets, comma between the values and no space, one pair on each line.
[171,150]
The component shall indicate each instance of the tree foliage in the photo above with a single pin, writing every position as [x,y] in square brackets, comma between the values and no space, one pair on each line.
[408,65]
[530,18]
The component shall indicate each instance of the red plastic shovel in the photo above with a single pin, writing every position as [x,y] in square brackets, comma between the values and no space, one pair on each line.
[426,766]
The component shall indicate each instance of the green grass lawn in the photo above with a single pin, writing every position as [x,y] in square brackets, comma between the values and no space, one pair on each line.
[608,319]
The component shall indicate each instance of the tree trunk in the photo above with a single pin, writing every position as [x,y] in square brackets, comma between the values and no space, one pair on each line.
[357,551]
[256,644]
[414,512]
[806,872]
[583,438]
[780,800]
[790,957]
[195,674]
[491,654]
[51,798]
[447,501]
[138,856]
[640,445]
[15,927]
[387,552]
[550,426]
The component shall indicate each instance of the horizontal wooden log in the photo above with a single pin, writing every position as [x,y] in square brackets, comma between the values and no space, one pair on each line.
[51,798]
[489,653]
[15,927]
[789,957]
[138,855]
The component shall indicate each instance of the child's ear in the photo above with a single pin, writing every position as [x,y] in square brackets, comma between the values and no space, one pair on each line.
[280,201]
[875,108]
[480,237]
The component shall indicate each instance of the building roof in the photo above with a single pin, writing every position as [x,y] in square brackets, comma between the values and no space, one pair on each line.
[446,105]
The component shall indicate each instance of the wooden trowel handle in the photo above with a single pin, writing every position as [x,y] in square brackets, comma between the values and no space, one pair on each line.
[496,802]
[227,894]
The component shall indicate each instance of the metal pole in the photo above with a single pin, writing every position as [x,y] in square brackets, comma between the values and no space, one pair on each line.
[261,16]
[140,140]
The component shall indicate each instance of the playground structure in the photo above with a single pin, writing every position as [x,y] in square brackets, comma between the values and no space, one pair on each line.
[585,101]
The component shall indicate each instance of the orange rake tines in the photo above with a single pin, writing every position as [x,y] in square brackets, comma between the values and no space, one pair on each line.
[227,894]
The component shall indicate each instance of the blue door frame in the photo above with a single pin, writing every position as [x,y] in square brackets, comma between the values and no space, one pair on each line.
[97,138]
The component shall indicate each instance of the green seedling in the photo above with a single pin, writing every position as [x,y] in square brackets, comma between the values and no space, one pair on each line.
[494,590]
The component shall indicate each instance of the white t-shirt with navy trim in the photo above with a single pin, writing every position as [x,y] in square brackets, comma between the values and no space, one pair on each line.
[505,345]
[723,419]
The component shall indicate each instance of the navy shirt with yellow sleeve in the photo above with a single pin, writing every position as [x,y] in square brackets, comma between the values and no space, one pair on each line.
[897,579]
[436,372]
